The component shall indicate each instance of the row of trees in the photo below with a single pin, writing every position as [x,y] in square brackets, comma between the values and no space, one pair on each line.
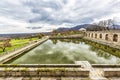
[100,28]
[106,23]
[109,24]
[96,28]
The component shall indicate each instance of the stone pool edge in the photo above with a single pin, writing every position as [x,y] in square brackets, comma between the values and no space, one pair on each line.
[18,52]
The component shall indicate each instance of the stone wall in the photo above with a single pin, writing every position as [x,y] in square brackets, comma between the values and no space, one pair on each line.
[43,70]
[74,71]
[112,72]
[22,73]
[109,36]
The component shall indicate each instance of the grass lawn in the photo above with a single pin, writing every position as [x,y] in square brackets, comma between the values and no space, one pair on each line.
[17,43]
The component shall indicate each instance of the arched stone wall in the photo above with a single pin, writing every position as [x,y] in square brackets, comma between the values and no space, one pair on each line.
[111,36]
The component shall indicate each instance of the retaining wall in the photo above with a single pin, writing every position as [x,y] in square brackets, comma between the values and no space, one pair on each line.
[32,73]
[112,72]
[43,70]
[106,65]
[114,50]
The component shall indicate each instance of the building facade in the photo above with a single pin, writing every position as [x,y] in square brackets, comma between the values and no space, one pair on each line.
[112,36]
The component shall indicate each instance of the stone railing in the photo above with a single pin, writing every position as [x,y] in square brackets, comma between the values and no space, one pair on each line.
[112,72]
[41,65]
[42,70]
[106,65]
[44,73]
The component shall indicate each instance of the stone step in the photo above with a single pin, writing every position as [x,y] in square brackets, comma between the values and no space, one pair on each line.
[98,78]
[43,78]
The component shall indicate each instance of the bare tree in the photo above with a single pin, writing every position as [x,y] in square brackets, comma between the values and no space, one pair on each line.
[5,44]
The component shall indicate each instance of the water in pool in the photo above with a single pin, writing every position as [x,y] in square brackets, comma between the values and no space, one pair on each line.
[65,51]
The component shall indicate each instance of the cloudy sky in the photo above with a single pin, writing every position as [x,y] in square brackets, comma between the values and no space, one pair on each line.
[21,16]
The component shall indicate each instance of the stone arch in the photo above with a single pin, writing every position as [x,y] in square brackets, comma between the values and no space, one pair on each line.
[92,35]
[85,34]
[100,36]
[115,37]
[89,34]
[106,37]
[96,35]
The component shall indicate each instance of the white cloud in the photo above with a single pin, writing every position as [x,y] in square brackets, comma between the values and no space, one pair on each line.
[16,15]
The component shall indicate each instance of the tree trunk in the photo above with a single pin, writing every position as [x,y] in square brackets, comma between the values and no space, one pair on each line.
[3,49]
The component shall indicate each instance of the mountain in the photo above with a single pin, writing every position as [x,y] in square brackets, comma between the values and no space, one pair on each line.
[98,26]
[80,26]
[89,27]
[114,27]
[73,28]
[62,29]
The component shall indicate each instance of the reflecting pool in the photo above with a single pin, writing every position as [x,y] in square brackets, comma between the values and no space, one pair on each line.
[65,51]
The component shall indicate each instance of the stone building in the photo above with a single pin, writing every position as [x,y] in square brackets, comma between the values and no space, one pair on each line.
[112,36]
[82,29]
